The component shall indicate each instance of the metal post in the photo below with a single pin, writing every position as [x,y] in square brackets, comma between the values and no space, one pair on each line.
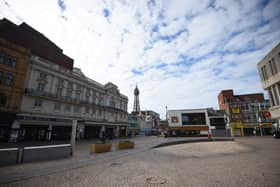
[73,136]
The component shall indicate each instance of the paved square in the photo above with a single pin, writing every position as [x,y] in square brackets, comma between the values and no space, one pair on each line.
[252,161]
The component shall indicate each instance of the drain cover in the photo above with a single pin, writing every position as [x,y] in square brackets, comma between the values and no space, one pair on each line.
[156,180]
[116,164]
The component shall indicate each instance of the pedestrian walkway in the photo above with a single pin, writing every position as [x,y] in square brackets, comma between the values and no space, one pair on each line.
[83,157]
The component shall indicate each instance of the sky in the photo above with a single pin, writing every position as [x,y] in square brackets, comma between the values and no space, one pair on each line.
[180,53]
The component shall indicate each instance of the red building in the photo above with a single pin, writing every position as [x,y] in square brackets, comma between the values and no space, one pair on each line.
[246,112]
[36,42]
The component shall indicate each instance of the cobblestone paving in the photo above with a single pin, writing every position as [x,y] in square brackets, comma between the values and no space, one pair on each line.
[250,161]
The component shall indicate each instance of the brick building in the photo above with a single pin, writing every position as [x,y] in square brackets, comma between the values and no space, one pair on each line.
[14,61]
[246,112]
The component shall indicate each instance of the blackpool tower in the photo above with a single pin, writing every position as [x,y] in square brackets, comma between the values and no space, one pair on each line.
[136,105]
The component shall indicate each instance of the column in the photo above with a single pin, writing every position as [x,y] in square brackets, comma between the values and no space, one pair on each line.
[49,133]
[117,132]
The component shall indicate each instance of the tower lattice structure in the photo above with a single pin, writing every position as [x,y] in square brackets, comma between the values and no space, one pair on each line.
[136,105]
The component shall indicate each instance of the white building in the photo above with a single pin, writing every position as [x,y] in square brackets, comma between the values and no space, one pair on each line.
[55,96]
[269,70]
[196,122]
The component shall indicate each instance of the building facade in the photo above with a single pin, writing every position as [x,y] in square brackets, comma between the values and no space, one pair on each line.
[246,113]
[196,122]
[14,61]
[151,118]
[55,96]
[134,124]
[269,71]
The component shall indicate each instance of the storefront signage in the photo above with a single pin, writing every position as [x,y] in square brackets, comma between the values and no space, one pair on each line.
[43,119]
[174,119]
[236,110]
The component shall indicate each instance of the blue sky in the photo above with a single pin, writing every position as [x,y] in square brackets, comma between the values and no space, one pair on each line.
[181,53]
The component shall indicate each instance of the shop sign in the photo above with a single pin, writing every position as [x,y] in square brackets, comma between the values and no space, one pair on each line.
[236,110]
[174,119]
[42,119]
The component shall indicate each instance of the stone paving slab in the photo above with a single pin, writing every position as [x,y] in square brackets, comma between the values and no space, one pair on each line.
[81,158]
[243,162]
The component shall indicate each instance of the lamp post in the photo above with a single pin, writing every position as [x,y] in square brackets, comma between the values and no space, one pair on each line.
[260,124]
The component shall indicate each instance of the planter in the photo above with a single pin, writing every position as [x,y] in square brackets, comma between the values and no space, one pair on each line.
[100,148]
[125,145]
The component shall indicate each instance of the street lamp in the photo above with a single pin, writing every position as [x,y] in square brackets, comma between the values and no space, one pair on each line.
[260,124]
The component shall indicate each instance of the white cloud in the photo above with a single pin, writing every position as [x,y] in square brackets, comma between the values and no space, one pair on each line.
[271,10]
[221,44]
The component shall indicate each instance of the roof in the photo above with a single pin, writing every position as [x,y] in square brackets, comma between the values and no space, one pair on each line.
[35,41]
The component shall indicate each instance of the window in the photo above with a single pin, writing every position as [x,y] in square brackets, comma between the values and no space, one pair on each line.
[67,108]
[40,87]
[8,60]
[271,97]
[9,79]
[264,73]
[13,62]
[69,93]
[70,86]
[57,106]
[78,95]
[78,92]
[3,99]
[1,76]
[77,109]
[2,58]
[38,103]
[94,97]
[100,99]
[193,119]
[60,83]
[276,99]
[278,85]
[87,95]
[59,92]
[43,75]
[69,90]
[87,110]
[272,66]
[93,111]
